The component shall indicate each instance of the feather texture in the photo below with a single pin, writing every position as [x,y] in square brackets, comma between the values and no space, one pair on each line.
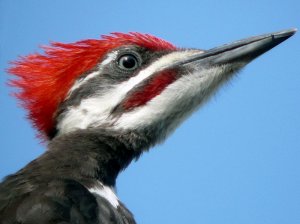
[45,79]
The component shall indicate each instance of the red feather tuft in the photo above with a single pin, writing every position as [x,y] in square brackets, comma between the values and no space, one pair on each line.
[45,79]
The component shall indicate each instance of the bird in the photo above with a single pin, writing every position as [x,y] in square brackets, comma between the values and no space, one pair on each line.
[99,104]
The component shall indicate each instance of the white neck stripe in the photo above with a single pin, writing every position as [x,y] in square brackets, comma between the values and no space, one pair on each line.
[105,192]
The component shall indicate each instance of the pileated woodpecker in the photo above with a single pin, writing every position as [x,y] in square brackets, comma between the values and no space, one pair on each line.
[101,103]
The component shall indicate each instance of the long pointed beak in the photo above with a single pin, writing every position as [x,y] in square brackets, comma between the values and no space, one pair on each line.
[242,50]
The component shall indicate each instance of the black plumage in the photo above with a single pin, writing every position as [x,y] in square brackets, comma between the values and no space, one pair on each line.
[54,187]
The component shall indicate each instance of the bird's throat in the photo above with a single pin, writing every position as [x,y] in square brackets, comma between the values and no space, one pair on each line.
[93,154]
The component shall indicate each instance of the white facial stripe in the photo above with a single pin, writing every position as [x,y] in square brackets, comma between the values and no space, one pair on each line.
[91,112]
[110,57]
[96,110]
[107,193]
[187,90]
[80,82]
[155,67]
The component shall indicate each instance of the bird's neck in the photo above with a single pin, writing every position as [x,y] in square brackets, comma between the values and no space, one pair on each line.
[94,154]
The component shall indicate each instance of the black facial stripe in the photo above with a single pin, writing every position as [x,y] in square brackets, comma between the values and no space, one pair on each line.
[109,75]
[101,83]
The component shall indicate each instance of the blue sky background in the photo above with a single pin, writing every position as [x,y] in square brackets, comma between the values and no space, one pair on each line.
[234,161]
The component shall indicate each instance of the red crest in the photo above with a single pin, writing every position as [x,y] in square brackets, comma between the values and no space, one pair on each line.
[45,79]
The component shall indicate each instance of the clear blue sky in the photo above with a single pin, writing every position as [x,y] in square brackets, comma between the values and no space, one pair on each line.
[237,160]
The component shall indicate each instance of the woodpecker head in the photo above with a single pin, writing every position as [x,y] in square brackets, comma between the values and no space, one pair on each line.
[126,82]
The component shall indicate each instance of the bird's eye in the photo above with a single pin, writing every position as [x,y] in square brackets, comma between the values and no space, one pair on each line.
[128,62]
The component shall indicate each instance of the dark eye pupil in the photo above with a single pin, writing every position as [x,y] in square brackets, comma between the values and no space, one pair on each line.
[128,62]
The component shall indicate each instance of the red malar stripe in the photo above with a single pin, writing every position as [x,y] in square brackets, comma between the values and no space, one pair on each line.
[153,88]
